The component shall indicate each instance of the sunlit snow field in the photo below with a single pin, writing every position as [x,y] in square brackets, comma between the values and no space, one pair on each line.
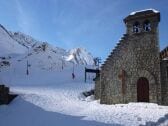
[53,98]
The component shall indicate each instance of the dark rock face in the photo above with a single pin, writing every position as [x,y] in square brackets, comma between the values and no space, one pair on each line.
[135,56]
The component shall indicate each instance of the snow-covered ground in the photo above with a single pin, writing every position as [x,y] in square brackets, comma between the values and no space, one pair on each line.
[54,98]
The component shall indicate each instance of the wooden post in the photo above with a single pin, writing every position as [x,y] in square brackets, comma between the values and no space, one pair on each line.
[85,74]
[27,71]
[73,68]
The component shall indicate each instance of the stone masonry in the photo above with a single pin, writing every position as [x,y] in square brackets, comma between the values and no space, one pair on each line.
[131,73]
[164,81]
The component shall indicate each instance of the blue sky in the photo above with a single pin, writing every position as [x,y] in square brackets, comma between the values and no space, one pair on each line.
[96,25]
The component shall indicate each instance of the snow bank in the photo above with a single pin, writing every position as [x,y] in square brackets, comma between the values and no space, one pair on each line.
[68,100]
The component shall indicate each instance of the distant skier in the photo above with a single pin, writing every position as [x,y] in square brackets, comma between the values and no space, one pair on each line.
[73,76]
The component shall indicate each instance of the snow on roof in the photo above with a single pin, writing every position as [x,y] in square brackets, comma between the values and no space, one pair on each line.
[165,58]
[155,11]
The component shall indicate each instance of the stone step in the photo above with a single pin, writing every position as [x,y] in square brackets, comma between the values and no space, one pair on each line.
[102,66]
[115,51]
[112,53]
[108,58]
[125,35]
[118,44]
[106,63]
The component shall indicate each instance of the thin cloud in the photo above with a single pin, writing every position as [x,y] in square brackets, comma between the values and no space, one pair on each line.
[24,21]
[78,26]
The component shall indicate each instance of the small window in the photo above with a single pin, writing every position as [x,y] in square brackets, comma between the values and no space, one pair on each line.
[147,26]
[136,27]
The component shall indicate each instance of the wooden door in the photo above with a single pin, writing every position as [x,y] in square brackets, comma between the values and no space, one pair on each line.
[143,90]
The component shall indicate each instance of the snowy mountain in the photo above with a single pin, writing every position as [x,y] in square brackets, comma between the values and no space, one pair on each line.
[24,39]
[31,43]
[8,45]
[81,56]
[39,54]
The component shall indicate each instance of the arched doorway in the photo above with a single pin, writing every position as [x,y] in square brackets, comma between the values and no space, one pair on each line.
[143,90]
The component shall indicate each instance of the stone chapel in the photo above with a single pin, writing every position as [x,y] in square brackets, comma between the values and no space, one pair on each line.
[135,71]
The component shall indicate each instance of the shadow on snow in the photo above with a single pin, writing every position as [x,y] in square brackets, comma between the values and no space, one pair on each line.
[23,113]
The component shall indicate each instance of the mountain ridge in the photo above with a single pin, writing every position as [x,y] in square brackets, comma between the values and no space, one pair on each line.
[38,52]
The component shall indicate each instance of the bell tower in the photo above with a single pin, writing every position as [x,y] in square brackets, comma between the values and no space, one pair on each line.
[143,31]
[142,21]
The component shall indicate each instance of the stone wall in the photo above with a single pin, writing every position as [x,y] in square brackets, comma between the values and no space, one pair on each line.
[97,88]
[4,91]
[5,96]
[164,81]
